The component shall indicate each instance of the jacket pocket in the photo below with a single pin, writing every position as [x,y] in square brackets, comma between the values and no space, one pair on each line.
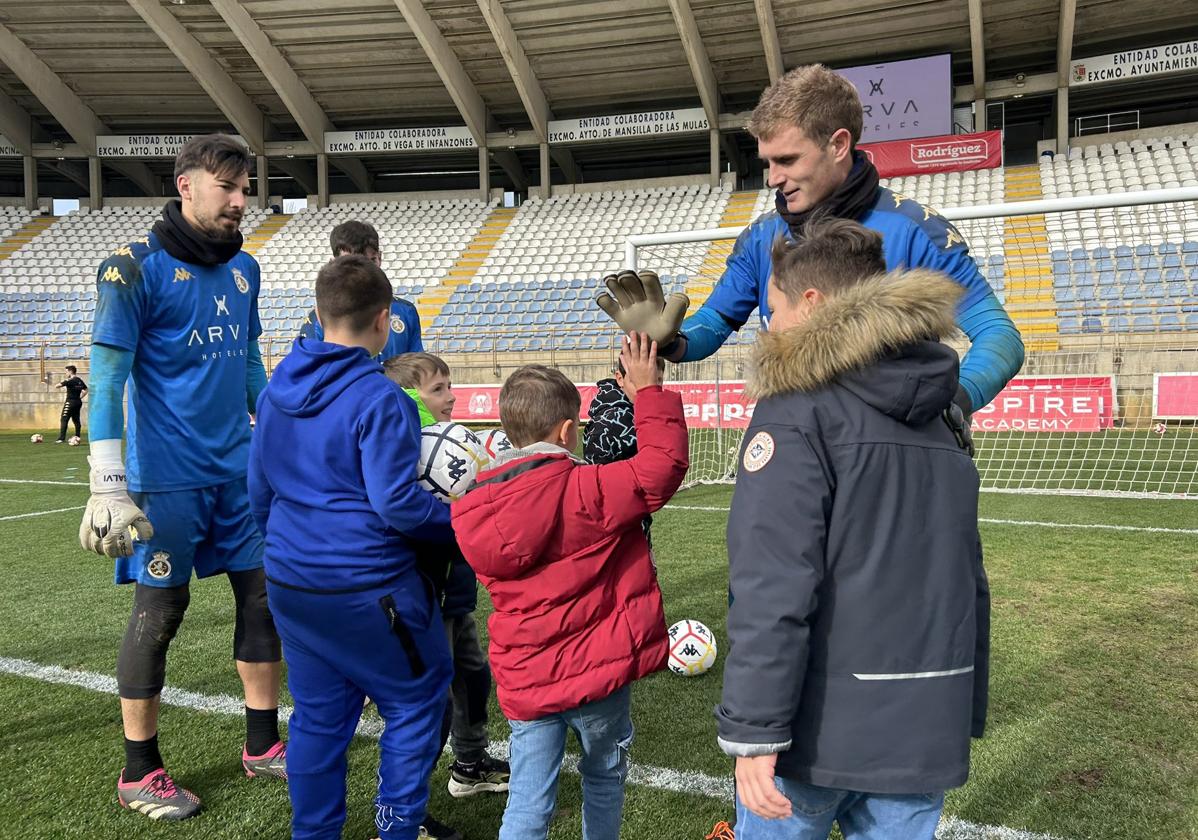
[406,640]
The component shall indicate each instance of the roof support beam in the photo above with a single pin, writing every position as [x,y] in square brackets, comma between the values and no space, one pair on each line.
[302,172]
[79,121]
[518,65]
[16,124]
[704,75]
[295,95]
[769,39]
[461,89]
[219,85]
[978,48]
[1064,59]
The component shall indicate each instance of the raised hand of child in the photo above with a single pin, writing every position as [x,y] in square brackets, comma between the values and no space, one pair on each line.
[639,356]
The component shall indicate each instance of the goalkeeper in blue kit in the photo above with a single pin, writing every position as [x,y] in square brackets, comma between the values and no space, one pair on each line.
[177,317]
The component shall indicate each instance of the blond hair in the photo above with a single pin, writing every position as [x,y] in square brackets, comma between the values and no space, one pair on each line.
[816,100]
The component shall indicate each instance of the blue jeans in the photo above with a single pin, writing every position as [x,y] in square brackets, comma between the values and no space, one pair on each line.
[604,731]
[862,816]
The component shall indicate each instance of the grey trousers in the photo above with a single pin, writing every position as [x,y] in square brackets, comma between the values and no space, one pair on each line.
[469,691]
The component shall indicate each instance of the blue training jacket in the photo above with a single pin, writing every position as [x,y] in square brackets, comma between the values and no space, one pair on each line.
[332,474]
[913,236]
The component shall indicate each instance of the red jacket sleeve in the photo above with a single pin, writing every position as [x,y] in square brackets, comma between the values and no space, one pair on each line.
[620,494]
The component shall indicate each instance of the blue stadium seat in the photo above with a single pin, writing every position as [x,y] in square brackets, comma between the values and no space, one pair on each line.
[1120,251]
[1171,261]
[1092,325]
[1068,325]
[1143,323]
[1143,250]
[1167,248]
[1119,323]
[1125,264]
[1169,322]
[1149,262]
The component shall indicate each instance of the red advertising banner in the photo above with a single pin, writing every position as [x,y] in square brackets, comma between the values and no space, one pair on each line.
[1050,404]
[1175,396]
[950,153]
[706,405]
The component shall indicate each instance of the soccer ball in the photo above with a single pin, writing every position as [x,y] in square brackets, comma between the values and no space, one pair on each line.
[36,438]
[450,457]
[692,648]
[1159,429]
[73,440]
[496,441]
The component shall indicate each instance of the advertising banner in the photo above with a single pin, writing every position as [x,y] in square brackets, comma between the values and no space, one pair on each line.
[950,153]
[903,99]
[391,140]
[1175,396]
[1050,404]
[624,126]
[145,145]
[706,405]
[1134,64]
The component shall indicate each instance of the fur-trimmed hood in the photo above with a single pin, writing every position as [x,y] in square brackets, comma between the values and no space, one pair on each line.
[879,339]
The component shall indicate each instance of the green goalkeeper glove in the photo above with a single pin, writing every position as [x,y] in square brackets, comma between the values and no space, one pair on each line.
[638,305]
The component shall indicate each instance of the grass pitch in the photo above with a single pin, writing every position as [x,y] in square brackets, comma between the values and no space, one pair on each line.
[1094,698]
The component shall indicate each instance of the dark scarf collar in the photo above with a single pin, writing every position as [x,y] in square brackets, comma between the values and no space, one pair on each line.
[850,201]
[190,245]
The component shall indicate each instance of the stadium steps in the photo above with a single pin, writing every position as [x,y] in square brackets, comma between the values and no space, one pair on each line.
[25,234]
[263,233]
[737,213]
[433,299]
[1030,301]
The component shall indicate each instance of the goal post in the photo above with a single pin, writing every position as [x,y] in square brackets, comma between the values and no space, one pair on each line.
[1104,290]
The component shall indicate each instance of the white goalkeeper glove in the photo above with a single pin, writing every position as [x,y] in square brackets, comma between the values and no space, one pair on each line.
[111,521]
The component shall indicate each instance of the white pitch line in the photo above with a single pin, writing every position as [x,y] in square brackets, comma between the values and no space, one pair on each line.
[642,775]
[41,513]
[1026,522]
[31,481]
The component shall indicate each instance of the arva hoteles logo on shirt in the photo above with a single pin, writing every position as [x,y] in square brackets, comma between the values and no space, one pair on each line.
[218,333]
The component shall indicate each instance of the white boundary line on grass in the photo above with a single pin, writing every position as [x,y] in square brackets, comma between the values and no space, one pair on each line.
[1027,522]
[41,513]
[643,775]
[32,481]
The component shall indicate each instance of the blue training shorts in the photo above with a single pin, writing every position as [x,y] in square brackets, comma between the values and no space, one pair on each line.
[208,529]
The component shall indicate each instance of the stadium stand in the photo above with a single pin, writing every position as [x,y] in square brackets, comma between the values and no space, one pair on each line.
[420,240]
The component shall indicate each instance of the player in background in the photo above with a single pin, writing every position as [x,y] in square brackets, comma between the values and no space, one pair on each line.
[177,317]
[73,404]
[355,237]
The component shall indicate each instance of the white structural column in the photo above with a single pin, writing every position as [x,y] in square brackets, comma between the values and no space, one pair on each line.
[978,49]
[296,97]
[1064,59]
[66,107]
[704,75]
[529,88]
[769,39]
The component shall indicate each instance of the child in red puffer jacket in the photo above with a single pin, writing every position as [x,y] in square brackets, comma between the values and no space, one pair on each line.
[578,612]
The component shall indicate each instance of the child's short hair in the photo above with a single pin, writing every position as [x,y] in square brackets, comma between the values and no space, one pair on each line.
[352,290]
[832,255]
[408,370]
[533,400]
[354,237]
[72,369]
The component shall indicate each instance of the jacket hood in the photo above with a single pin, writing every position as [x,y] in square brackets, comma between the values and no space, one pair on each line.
[879,339]
[527,472]
[314,374]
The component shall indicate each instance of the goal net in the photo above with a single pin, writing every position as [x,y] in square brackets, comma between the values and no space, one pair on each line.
[1104,290]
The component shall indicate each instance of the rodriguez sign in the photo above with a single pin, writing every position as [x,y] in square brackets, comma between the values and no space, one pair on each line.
[951,153]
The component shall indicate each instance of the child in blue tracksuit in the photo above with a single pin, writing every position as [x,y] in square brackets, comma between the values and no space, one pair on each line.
[332,483]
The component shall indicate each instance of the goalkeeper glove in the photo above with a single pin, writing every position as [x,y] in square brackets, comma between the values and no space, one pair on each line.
[111,521]
[638,305]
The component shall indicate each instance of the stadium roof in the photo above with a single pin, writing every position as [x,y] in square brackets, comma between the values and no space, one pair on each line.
[286,69]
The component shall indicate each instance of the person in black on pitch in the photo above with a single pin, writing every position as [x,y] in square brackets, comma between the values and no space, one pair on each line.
[76,388]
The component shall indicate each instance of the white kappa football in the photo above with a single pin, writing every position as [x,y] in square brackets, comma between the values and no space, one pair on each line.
[496,441]
[36,438]
[692,648]
[73,440]
[450,457]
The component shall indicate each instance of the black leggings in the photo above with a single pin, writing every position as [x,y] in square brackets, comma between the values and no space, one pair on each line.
[70,411]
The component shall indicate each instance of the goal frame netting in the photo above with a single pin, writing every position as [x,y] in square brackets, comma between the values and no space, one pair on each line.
[1133,449]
